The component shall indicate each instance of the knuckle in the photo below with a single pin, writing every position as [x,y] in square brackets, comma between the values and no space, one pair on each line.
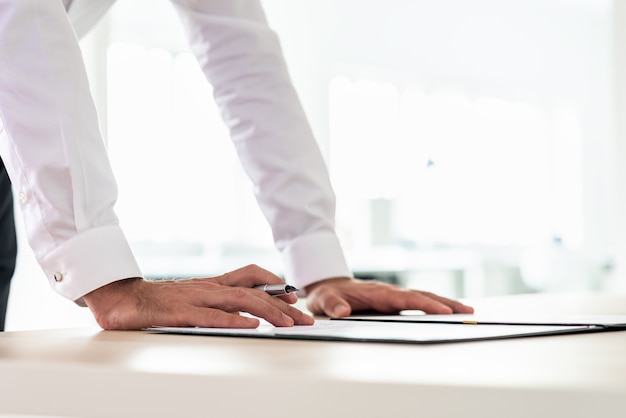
[239,293]
[253,268]
[212,316]
[225,278]
[211,285]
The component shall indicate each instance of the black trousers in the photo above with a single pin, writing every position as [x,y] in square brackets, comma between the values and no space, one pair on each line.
[8,242]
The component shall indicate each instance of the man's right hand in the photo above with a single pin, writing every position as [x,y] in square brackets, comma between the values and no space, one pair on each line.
[207,302]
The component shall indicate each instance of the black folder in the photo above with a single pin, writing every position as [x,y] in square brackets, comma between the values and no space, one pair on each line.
[418,329]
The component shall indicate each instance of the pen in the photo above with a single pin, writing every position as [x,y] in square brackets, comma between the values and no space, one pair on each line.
[276,289]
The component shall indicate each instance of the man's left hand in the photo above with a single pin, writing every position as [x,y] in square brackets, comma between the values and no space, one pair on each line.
[341,296]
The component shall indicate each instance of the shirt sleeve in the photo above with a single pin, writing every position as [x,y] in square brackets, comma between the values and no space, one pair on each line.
[242,58]
[54,153]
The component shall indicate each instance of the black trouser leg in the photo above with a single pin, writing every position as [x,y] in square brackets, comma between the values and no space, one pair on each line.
[8,242]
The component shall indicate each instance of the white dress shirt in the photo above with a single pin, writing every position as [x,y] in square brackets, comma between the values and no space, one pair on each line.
[53,150]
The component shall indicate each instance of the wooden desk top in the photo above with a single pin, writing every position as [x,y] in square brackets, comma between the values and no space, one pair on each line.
[94,373]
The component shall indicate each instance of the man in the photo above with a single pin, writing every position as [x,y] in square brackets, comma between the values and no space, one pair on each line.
[54,154]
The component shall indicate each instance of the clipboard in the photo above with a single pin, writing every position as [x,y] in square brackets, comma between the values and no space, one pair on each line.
[420,329]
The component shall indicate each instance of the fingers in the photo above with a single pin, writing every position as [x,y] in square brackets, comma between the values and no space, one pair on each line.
[456,306]
[248,276]
[326,301]
[240,299]
[290,298]
[418,300]
[337,298]
[257,303]
[210,318]
[196,302]
[394,299]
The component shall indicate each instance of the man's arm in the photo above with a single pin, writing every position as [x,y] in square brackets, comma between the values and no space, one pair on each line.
[53,151]
[242,58]
[52,148]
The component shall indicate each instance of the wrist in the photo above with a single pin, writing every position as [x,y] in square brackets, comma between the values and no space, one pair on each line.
[105,301]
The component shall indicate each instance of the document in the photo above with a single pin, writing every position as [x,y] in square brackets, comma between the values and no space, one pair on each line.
[605,321]
[427,329]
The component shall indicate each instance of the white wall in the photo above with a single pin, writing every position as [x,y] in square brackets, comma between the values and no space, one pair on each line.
[619,75]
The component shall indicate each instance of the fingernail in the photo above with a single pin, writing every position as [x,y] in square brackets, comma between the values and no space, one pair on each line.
[339,310]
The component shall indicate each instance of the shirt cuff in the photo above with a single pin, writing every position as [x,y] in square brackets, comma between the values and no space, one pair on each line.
[88,261]
[311,258]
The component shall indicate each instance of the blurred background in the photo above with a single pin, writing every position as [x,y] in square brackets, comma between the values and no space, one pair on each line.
[476,147]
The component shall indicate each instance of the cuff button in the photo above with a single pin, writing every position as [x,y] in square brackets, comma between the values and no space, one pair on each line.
[58,277]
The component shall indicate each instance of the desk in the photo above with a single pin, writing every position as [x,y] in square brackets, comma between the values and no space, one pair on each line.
[94,373]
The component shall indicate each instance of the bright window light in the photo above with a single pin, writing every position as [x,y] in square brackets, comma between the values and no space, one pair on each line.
[458,169]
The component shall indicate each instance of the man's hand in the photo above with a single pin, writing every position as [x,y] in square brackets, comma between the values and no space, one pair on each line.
[339,297]
[208,302]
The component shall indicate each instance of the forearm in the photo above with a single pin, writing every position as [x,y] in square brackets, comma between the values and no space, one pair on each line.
[242,58]
[54,152]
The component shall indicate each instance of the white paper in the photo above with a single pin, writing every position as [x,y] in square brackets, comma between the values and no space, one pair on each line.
[380,331]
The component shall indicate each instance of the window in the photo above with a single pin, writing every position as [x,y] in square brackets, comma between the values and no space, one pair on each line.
[457,169]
